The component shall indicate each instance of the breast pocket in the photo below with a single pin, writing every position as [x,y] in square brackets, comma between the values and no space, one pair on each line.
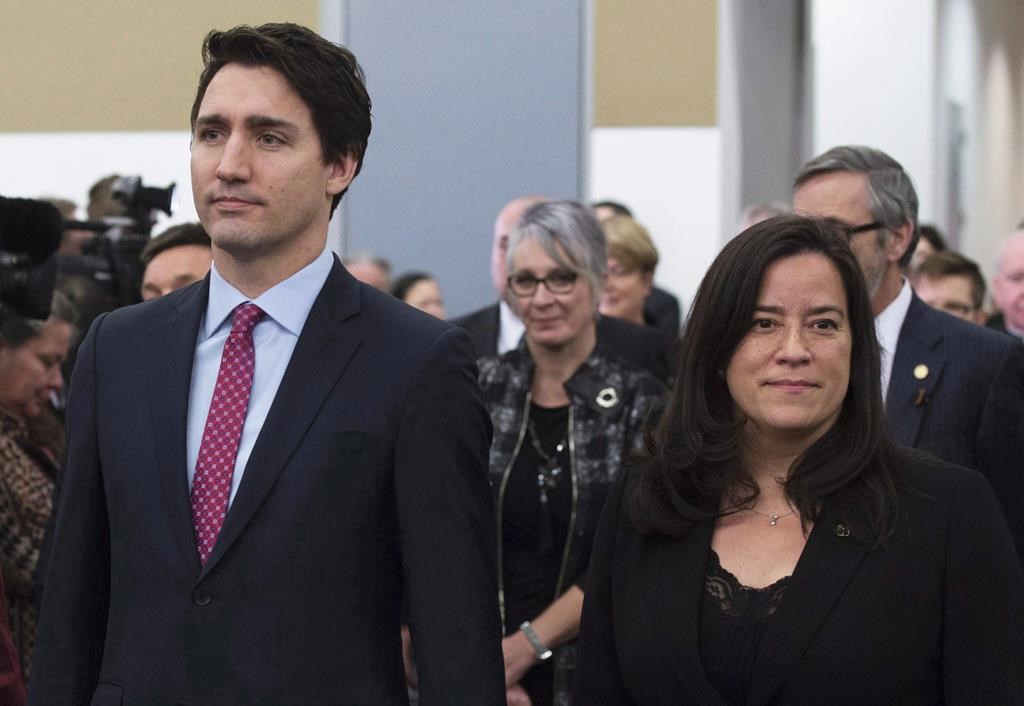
[325,444]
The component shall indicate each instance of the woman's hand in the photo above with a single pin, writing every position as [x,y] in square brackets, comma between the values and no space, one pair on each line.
[519,657]
[516,695]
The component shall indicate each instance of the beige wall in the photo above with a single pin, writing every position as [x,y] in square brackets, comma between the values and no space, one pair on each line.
[115,65]
[655,63]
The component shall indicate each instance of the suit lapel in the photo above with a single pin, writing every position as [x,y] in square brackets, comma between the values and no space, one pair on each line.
[917,366]
[172,346]
[681,580]
[826,566]
[321,354]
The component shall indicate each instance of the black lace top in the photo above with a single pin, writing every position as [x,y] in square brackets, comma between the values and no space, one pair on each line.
[732,620]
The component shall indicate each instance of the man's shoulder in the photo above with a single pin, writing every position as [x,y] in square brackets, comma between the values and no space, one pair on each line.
[961,336]
[478,317]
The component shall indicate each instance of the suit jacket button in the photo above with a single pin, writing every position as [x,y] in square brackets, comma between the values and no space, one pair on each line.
[201,597]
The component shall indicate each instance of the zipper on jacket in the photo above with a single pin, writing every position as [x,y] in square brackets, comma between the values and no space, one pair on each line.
[572,512]
[501,507]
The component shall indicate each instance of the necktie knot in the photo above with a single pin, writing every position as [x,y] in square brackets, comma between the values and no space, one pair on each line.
[245,318]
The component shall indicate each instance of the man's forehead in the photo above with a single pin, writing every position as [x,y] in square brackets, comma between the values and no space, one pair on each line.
[831,194]
[237,85]
[1013,253]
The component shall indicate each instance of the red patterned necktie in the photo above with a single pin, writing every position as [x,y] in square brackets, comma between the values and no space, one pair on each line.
[211,486]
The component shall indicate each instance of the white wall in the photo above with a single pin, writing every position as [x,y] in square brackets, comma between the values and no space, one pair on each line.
[671,178]
[875,82]
[67,164]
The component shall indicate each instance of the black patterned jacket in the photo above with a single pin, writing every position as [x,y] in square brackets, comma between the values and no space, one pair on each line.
[610,400]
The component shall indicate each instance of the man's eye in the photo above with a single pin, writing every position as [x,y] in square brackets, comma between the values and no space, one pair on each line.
[269,139]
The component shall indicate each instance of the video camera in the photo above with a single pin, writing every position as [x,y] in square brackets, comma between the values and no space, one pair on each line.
[109,265]
[30,233]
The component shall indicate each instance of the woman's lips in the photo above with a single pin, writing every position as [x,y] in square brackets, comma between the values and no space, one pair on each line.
[791,385]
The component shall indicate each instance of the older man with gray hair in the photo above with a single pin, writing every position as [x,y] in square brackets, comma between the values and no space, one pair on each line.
[950,388]
[1008,285]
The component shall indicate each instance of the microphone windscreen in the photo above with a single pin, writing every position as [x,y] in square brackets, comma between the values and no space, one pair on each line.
[31,227]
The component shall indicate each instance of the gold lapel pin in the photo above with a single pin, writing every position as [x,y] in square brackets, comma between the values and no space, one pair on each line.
[920,371]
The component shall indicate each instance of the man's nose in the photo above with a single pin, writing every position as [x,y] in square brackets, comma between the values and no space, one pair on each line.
[234,162]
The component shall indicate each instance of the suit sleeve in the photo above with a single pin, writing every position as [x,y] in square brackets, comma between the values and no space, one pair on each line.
[1000,442]
[983,604]
[69,647]
[446,530]
[598,677]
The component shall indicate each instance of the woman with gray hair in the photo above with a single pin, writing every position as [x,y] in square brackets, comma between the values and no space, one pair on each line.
[566,415]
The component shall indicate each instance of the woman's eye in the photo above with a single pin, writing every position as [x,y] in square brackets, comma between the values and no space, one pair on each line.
[826,324]
[762,323]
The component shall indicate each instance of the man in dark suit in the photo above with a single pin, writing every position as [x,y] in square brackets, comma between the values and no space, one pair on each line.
[497,329]
[951,388]
[268,468]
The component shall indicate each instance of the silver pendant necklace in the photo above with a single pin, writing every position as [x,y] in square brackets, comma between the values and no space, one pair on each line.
[773,517]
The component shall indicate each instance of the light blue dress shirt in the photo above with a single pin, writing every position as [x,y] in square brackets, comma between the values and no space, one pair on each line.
[286,306]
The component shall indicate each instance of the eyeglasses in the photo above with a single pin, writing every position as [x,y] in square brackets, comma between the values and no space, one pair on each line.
[850,231]
[524,284]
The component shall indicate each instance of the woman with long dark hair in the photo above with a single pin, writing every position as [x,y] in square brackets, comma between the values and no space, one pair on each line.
[772,545]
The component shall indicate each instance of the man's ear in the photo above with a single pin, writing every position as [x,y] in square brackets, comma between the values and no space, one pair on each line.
[343,171]
[899,241]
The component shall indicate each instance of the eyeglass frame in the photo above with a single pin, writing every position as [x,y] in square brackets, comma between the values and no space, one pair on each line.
[537,281]
[849,231]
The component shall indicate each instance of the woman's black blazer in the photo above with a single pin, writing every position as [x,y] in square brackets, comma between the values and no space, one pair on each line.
[937,617]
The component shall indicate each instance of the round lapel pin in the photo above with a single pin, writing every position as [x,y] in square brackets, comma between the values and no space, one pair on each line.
[920,371]
[607,398]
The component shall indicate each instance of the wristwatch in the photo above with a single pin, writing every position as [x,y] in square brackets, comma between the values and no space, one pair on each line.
[539,648]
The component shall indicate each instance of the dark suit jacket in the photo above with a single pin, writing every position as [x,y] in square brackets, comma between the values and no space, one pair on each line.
[662,311]
[969,407]
[648,348]
[367,486]
[937,617]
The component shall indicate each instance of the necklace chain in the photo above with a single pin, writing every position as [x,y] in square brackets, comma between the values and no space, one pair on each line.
[773,517]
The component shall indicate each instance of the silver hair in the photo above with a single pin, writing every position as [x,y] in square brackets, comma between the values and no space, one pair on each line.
[892,199]
[1004,244]
[571,235]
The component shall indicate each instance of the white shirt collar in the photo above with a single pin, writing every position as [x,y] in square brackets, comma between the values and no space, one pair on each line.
[288,302]
[887,327]
[510,327]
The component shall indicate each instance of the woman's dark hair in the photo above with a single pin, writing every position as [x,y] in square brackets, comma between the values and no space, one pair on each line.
[326,76]
[17,330]
[407,281]
[691,455]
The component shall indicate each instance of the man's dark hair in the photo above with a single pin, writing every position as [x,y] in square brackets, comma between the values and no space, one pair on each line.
[407,281]
[618,208]
[174,237]
[326,76]
[947,263]
[934,237]
[892,199]
[691,456]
